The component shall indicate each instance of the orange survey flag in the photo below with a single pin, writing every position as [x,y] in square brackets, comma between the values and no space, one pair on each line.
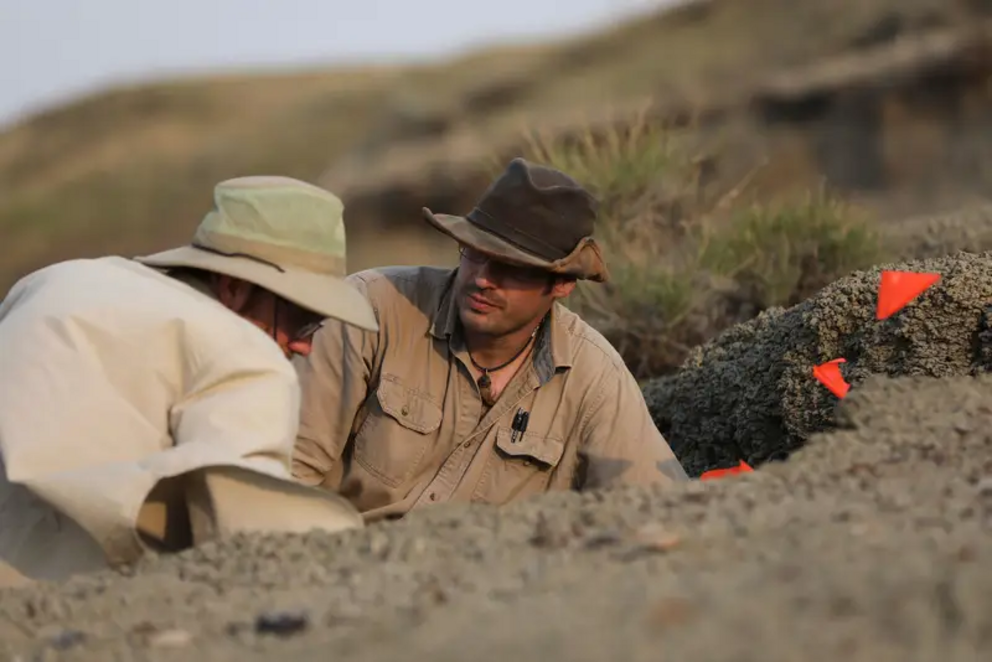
[830,376]
[720,473]
[898,288]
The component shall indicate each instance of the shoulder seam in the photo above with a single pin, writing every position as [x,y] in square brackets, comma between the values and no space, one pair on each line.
[613,358]
[370,276]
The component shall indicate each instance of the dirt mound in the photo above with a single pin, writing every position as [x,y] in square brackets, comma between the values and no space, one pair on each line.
[968,228]
[871,543]
[750,394]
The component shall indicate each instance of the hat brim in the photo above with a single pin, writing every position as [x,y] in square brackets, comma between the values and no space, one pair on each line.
[585,262]
[464,231]
[326,295]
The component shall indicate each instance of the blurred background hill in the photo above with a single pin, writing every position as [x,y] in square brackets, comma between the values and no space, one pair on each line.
[689,115]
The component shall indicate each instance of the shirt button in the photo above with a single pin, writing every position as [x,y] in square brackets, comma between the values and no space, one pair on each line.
[405,411]
[433,496]
[467,444]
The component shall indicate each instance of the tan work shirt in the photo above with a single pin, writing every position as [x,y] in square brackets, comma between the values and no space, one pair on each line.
[394,420]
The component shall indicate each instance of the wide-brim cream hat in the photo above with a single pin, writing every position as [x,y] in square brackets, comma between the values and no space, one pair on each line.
[282,234]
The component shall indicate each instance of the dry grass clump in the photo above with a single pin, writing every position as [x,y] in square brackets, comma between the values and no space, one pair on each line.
[689,254]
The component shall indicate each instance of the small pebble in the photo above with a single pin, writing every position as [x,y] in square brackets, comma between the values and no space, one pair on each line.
[657,537]
[281,623]
[545,536]
[67,639]
[170,639]
[600,540]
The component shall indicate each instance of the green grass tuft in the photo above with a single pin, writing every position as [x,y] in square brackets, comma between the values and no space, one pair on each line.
[688,255]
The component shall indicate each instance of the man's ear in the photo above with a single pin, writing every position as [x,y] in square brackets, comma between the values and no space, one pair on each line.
[562,288]
[233,292]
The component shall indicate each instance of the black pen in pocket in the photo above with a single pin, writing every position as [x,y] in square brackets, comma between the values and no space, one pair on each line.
[519,425]
[515,426]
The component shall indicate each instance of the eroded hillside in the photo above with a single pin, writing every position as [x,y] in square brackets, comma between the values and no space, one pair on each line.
[131,170]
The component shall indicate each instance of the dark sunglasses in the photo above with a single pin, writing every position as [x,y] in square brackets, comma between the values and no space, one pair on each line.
[306,329]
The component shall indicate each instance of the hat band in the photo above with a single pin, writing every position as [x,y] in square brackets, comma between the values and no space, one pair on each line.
[276,256]
[215,251]
[518,238]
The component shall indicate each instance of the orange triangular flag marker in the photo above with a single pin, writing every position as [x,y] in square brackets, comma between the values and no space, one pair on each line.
[829,375]
[899,288]
[729,471]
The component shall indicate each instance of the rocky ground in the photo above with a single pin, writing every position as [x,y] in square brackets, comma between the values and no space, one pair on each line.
[750,394]
[871,542]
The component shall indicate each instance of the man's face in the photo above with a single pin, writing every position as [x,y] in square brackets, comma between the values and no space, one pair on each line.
[289,325]
[293,327]
[496,299]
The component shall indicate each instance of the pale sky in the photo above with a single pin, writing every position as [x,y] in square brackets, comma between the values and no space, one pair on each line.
[52,50]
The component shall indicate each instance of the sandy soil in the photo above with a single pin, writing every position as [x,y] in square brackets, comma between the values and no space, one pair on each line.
[870,543]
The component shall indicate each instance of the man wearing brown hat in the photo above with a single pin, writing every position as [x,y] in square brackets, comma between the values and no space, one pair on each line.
[480,385]
[149,403]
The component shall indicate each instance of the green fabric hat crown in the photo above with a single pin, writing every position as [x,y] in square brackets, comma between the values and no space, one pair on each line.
[282,234]
[279,220]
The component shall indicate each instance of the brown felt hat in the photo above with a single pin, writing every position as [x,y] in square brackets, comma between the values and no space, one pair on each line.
[533,216]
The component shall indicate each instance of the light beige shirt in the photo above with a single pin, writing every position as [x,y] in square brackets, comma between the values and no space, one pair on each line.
[130,400]
[394,420]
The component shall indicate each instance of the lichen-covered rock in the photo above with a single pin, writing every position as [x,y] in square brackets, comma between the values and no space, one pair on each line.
[750,393]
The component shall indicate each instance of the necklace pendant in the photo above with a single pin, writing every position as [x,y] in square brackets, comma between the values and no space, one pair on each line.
[484,380]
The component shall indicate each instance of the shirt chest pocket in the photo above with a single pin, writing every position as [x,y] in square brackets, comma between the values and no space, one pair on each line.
[521,464]
[401,426]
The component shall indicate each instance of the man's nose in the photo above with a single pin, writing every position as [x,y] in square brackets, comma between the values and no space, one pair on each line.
[301,347]
[484,277]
